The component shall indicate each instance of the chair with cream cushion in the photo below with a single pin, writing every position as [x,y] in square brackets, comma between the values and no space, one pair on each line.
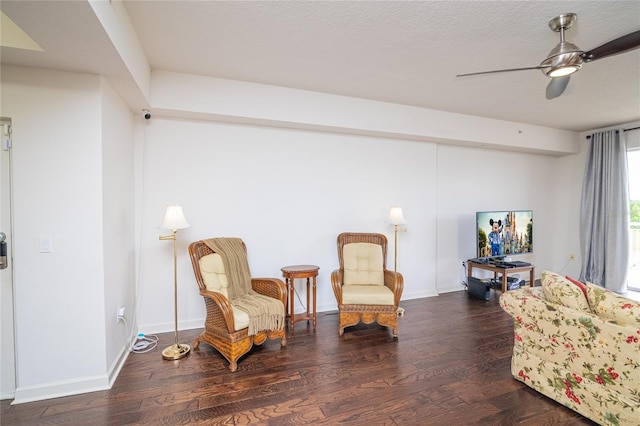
[225,328]
[365,290]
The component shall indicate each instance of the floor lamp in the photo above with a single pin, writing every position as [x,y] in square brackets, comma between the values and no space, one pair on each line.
[396,218]
[174,219]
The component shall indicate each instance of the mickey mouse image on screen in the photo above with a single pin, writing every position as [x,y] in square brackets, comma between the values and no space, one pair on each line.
[495,236]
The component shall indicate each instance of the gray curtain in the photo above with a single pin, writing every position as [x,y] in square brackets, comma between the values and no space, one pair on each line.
[604,213]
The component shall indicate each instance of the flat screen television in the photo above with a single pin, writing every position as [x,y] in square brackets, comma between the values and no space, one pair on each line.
[504,233]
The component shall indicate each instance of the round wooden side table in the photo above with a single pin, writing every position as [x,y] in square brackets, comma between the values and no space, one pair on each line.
[290,273]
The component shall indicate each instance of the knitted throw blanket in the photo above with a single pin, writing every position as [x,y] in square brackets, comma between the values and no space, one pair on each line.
[265,313]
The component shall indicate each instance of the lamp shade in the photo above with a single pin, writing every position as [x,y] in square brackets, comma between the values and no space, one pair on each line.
[174,218]
[396,217]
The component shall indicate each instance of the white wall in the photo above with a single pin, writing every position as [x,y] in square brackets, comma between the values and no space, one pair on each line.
[566,197]
[289,193]
[471,180]
[118,225]
[190,96]
[63,345]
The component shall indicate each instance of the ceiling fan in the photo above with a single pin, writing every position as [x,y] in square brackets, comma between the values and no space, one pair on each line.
[566,58]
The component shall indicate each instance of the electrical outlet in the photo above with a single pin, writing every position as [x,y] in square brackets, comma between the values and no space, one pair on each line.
[120,315]
[572,257]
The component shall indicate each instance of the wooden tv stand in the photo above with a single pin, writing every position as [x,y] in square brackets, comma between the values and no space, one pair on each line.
[502,270]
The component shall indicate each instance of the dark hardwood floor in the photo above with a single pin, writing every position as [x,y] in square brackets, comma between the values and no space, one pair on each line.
[449,366]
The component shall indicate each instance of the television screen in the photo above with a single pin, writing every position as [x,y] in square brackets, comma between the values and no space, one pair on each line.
[504,233]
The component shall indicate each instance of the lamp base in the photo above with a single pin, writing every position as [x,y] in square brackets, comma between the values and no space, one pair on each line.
[176,351]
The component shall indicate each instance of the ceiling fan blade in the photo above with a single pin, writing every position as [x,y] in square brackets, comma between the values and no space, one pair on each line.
[619,45]
[556,86]
[495,71]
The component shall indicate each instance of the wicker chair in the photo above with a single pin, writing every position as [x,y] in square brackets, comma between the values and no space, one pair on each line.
[365,290]
[220,330]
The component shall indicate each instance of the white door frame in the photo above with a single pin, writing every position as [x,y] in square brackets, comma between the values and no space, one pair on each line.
[7,330]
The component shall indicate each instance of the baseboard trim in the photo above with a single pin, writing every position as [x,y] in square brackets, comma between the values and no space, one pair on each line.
[62,388]
[7,395]
[450,289]
[117,365]
[41,392]
[169,327]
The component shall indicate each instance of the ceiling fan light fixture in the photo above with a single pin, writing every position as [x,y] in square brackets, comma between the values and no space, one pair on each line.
[562,71]
[563,60]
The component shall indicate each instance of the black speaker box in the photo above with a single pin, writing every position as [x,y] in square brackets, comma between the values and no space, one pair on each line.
[480,288]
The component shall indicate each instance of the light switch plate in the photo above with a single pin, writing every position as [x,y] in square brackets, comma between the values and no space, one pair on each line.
[46,245]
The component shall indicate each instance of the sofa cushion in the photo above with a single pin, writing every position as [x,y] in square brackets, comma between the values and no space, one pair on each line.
[363,264]
[582,286]
[558,289]
[367,295]
[613,307]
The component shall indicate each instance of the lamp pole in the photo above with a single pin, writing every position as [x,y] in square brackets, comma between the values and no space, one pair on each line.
[395,251]
[174,219]
[177,350]
[396,218]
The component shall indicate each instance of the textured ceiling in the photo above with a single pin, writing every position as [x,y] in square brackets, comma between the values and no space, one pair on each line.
[400,52]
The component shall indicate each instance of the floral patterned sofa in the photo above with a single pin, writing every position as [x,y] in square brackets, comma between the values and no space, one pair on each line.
[578,344]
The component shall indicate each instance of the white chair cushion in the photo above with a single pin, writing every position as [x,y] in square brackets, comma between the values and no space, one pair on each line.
[213,275]
[240,319]
[366,295]
[215,279]
[363,264]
